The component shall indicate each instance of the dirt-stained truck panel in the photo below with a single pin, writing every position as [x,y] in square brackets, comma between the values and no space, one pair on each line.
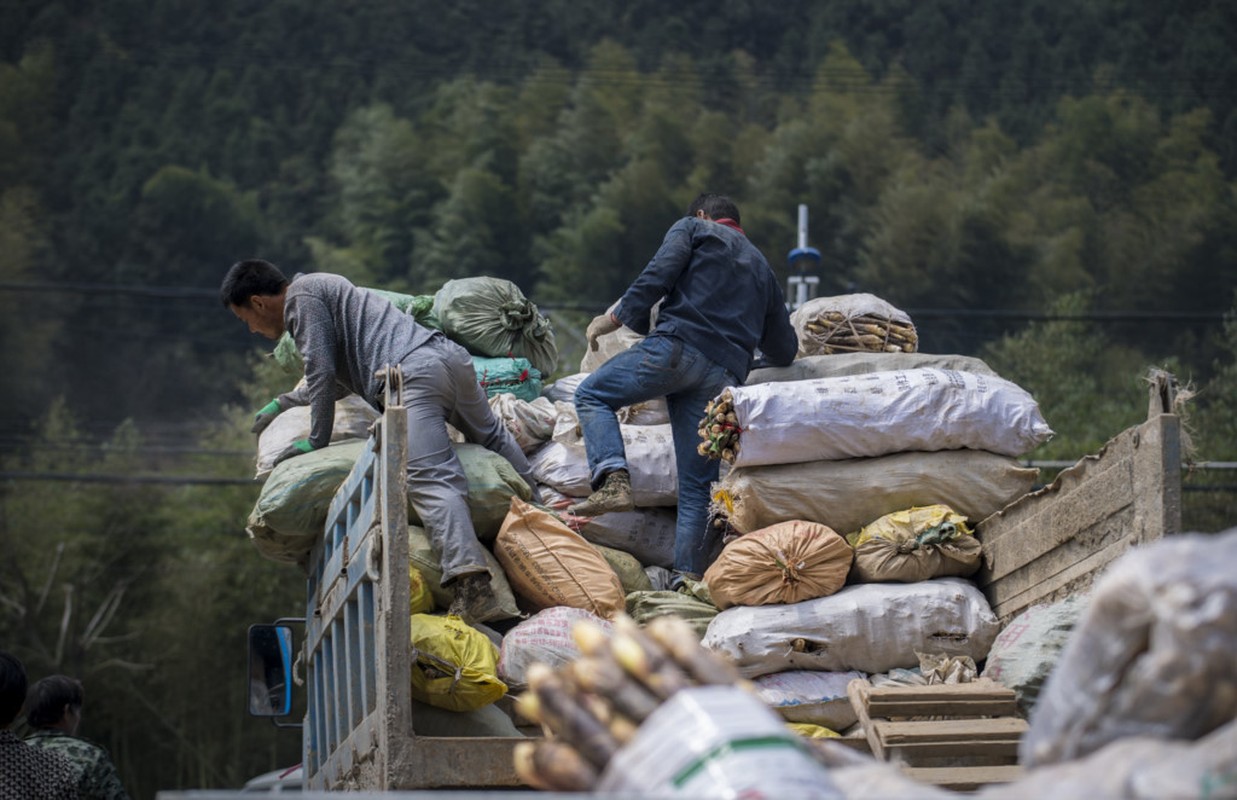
[1055,541]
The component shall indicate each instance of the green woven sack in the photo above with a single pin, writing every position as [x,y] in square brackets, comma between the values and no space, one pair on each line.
[422,556]
[290,514]
[515,376]
[492,317]
[628,569]
[644,606]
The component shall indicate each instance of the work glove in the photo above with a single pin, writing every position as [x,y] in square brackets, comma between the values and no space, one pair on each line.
[265,416]
[600,326]
[298,448]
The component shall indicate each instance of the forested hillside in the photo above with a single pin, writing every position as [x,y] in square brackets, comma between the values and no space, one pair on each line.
[1051,186]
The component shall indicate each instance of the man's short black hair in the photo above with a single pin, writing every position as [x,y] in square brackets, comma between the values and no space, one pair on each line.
[12,688]
[248,278]
[716,206]
[47,698]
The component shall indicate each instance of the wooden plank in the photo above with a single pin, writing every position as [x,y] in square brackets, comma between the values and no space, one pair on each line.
[980,698]
[964,779]
[1055,542]
[982,688]
[943,707]
[916,752]
[1076,507]
[908,732]
[857,690]
[1012,595]
[439,762]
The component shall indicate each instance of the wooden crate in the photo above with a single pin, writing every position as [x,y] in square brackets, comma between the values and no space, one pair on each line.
[957,736]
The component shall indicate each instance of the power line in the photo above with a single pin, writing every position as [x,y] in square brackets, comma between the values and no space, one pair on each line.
[174,480]
[176,292]
[187,293]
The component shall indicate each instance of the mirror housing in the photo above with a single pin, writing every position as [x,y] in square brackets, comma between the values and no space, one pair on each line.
[270,670]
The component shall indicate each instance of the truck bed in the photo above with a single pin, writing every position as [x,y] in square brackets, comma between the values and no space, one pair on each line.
[1054,542]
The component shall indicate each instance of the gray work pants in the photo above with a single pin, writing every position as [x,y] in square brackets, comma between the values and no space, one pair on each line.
[440,385]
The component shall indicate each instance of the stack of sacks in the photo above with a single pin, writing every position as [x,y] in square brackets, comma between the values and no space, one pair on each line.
[897,452]
[843,440]
[289,516]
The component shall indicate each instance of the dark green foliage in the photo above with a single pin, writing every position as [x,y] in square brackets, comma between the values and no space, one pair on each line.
[1050,186]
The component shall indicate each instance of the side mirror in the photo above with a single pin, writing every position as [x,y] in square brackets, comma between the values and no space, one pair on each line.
[270,670]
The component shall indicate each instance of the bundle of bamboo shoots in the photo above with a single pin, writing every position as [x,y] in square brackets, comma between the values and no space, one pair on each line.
[834,332]
[593,706]
[720,429]
[853,323]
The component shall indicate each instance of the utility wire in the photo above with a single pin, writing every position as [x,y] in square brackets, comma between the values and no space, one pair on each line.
[74,477]
[191,293]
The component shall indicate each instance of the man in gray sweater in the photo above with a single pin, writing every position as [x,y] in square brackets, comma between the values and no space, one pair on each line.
[347,336]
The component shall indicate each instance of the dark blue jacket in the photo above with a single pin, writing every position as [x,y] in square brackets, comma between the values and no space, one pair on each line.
[721,297]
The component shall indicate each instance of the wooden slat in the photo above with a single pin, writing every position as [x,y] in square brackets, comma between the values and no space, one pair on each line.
[964,779]
[982,745]
[858,690]
[995,729]
[981,698]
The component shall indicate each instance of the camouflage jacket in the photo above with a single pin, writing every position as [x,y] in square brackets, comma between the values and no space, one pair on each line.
[96,775]
[27,773]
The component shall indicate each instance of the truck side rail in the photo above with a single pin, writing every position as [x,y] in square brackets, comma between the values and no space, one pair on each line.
[353,704]
[1054,542]
[359,727]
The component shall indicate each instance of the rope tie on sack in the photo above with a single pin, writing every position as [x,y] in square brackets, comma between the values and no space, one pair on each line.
[936,535]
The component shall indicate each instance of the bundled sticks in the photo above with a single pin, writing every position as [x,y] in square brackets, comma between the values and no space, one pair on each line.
[593,706]
[720,429]
[833,331]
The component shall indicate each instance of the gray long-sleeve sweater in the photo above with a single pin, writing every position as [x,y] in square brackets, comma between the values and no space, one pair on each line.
[345,334]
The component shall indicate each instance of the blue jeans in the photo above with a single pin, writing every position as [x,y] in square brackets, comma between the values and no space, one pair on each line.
[659,366]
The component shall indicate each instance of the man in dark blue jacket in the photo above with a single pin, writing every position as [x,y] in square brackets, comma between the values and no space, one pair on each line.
[720,302]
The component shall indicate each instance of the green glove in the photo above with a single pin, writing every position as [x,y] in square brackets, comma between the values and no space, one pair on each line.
[298,448]
[265,416]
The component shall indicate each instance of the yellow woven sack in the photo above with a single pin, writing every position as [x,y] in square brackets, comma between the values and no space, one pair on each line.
[420,600]
[810,731]
[454,666]
[915,544]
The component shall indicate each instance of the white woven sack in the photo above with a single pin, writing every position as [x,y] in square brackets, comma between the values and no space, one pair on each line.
[562,464]
[859,416]
[563,390]
[852,305]
[646,533]
[872,627]
[545,638]
[810,696]
[353,416]
[1153,654]
[807,368]
[848,494]
[530,422]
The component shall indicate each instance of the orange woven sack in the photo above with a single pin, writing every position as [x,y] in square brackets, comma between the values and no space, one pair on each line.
[784,563]
[548,564]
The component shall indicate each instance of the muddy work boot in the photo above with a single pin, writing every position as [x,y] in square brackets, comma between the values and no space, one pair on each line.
[614,495]
[474,599]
